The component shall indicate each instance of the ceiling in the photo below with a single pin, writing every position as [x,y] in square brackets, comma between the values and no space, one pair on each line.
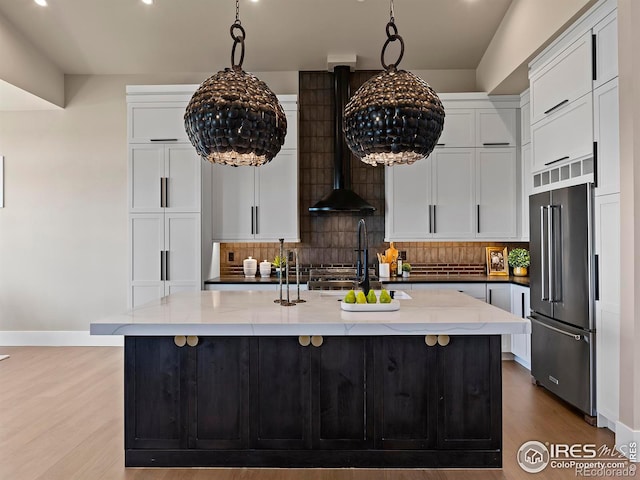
[129,37]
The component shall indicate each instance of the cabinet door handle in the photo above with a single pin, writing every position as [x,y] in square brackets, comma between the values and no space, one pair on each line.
[522,303]
[257,223]
[161,265]
[478,217]
[166,264]
[252,222]
[162,193]
[440,144]
[594,57]
[595,164]
[490,296]
[434,218]
[496,144]
[317,340]
[556,161]
[166,192]
[430,340]
[429,210]
[596,274]
[163,139]
[556,106]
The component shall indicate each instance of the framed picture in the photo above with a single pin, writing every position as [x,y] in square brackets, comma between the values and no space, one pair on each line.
[497,261]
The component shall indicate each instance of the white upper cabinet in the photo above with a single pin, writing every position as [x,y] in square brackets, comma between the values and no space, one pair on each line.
[453,190]
[563,137]
[496,193]
[496,127]
[525,123]
[157,122]
[526,185]
[260,203]
[605,37]
[408,195]
[561,81]
[459,128]
[164,178]
[606,133]
[276,198]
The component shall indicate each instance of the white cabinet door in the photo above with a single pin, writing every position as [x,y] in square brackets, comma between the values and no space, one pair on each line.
[499,295]
[561,81]
[453,196]
[606,133]
[146,170]
[521,344]
[496,193]
[233,203]
[150,165]
[606,38]
[526,187]
[290,106]
[182,246]
[563,137]
[607,249]
[475,290]
[159,122]
[525,123]
[182,171]
[496,127]
[276,198]
[408,200]
[146,237]
[459,128]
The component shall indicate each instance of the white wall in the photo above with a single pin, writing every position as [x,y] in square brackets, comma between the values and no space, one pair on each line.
[63,231]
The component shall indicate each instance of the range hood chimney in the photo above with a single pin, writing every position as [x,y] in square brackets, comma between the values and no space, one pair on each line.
[341,198]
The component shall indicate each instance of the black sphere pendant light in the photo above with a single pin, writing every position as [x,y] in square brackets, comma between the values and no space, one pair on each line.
[234,118]
[395,117]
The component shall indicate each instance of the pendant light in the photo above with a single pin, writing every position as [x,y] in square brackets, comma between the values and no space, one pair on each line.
[395,117]
[234,118]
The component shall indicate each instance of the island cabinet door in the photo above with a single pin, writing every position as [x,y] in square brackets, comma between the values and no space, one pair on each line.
[218,417]
[279,393]
[341,393]
[470,395]
[155,374]
[406,392]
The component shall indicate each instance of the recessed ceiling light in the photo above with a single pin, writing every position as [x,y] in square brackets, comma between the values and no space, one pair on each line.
[255,1]
[148,2]
[42,3]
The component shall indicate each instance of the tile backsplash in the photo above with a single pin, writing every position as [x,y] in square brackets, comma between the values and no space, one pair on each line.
[330,239]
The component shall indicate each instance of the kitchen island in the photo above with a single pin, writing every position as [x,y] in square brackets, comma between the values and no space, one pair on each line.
[233,379]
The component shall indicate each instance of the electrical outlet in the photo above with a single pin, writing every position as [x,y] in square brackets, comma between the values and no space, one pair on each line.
[403,254]
[230,257]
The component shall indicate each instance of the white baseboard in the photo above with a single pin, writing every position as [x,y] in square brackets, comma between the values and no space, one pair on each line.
[55,338]
[625,437]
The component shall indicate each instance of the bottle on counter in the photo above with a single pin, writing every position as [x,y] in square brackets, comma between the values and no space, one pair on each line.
[399,267]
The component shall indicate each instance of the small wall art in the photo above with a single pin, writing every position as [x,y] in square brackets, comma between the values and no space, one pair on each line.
[497,261]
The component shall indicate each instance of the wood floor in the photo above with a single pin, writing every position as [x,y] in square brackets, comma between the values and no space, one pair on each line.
[61,418]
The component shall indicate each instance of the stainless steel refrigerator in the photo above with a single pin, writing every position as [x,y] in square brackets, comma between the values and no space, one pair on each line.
[562,294]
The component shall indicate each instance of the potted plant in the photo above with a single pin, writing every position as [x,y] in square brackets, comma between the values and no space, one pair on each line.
[519,260]
[279,263]
[406,268]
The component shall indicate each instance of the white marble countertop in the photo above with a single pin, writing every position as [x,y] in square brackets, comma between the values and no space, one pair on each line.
[250,313]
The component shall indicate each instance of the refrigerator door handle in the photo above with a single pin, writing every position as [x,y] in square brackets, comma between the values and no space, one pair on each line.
[572,335]
[544,297]
[550,254]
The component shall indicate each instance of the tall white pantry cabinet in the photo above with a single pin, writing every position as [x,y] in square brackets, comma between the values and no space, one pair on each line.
[164,195]
[575,139]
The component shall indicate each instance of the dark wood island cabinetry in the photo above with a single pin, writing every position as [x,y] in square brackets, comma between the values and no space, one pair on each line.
[353,401]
